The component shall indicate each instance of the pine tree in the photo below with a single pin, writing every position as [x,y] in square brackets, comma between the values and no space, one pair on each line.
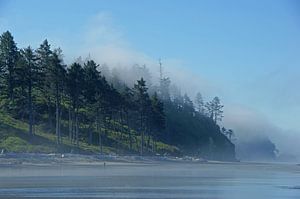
[91,88]
[199,103]
[8,60]
[164,85]
[75,89]
[30,75]
[214,109]
[45,62]
[188,105]
[57,76]
[128,107]
[158,116]
[143,101]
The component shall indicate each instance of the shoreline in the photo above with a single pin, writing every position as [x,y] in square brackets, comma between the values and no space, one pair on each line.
[69,159]
[40,159]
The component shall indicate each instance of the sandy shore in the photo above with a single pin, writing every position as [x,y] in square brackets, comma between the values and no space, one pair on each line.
[77,159]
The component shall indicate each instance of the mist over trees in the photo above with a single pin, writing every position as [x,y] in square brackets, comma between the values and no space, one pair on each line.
[87,102]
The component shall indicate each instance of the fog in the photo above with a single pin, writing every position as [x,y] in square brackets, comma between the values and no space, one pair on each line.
[105,43]
[251,125]
[166,180]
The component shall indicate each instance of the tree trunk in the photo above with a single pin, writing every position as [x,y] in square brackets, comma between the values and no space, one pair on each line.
[142,134]
[49,113]
[129,132]
[33,121]
[77,130]
[57,121]
[142,143]
[98,130]
[130,141]
[30,109]
[73,126]
[153,145]
[90,134]
[70,125]
[148,141]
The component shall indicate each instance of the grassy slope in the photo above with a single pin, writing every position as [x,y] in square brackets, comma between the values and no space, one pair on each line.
[14,137]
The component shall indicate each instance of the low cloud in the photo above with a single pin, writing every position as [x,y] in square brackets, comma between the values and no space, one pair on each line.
[105,43]
[249,124]
[101,30]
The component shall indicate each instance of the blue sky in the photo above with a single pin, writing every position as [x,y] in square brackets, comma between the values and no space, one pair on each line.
[248,50]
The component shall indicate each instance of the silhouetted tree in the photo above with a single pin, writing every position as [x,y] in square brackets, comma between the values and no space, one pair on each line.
[90,91]
[214,109]
[158,116]
[143,101]
[57,83]
[199,103]
[75,75]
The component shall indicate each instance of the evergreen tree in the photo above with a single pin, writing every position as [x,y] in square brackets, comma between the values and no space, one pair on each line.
[45,61]
[188,105]
[91,89]
[164,85]
[56,77]
[8,62]
[75,75]
[214,109]
[30,76]
[91,81]
[143,101]
[165,88]
[199,103]
[128,107]
[229,133]
[158,116]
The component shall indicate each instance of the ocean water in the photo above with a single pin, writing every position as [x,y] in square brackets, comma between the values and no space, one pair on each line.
[165,180]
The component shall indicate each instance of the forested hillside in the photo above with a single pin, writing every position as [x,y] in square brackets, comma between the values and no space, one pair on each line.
[85,107]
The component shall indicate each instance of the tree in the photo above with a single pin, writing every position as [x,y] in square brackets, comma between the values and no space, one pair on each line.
[57,76]
[8,61]
[199,103]
[75,87]
[45,62]
[128,106]
[188,105]
[91,89]
[143,101]
[164,85]
[29,72]
[214,109]
[91,81]
[228,132]
[158,116]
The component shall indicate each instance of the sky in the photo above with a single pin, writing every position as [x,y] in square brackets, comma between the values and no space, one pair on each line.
[246,52]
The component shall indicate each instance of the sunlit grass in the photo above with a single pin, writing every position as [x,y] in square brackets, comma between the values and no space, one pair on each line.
[14,137]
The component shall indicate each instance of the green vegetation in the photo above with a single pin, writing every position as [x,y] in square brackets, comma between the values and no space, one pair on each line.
[15,138]
[47,106]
